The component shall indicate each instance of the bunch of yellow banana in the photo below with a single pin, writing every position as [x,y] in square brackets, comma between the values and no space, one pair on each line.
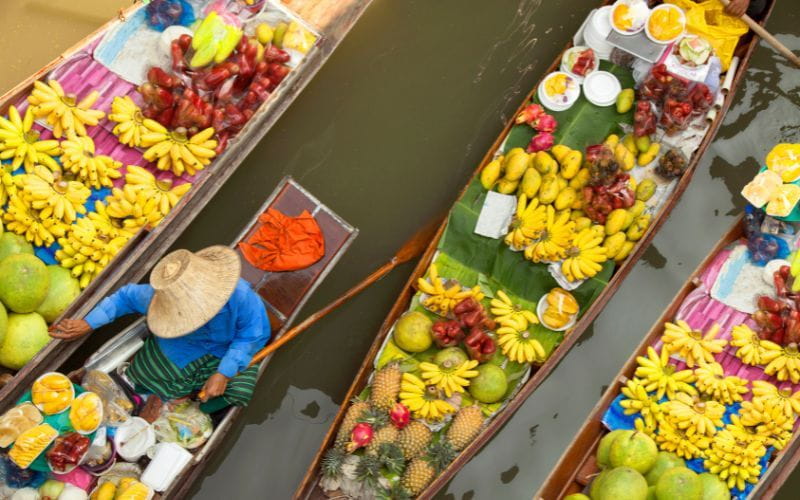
[20,218]
[749,346]
[20,142]
[520,346]
[130,121]
[765,391]
[692,345]
[693,415]
[63,111]
[106,224]
[166,196]
[450,379]
[424,400]
[441,300]
[671,438]
[529,222]
[8,186]
[658,374]
[175,151]
[769,419]
[511,315]
[52,195]
[553,241]
[782,362]
[96,171]
[735,461]
[638,400]
[134,207]
[584,257]
[86,250]
[712,382]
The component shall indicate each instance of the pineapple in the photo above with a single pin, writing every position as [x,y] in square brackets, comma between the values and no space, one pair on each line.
[368,470]
[414,438]
[466,425]
[386,387]
[392,458]
[332,463]
[350,420]
[387,434]
[374,417]
[417,476]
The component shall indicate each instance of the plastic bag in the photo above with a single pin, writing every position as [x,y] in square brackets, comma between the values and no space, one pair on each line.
[709,20]
[161,14]
[184,424]
[117,407]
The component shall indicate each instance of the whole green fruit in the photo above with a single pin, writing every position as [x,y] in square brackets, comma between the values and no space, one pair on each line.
[62,291]
[651,493]
[490,385]
[679,483]
[664,461]
[637,450]
[12,244]
[412,333]
[24,282]
[597,483]
[622,483]
[605,446]
[25,336]
[450,357]
[714,488]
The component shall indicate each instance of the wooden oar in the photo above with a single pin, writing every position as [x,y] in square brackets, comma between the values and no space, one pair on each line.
[766,35]
[411,249]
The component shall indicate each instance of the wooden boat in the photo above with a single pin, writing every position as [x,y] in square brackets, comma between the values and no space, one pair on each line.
[577,465]
[283,293]
[309,487]
[331,19]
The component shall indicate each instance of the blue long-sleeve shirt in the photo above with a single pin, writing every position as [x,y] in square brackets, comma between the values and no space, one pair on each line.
[234,335]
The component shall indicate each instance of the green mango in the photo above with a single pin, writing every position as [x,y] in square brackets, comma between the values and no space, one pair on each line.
[228,43]
[205,31]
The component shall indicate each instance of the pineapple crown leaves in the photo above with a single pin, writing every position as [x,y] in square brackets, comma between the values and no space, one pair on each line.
[395,492]
[439,455]
[332,463]
[391,456]
[368,470]
[375,417]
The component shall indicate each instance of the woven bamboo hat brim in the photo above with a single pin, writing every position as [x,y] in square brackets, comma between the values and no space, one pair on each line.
[190,289]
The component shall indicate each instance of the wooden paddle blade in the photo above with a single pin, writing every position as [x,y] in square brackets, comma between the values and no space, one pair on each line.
[417,244]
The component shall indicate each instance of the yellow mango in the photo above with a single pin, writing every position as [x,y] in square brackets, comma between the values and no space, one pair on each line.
[490,173]
[505,186]
[612,141]
[560,152]
[648,156]
[545,163]
[565,198]
[645,190]
[515,166]
[638,228]
[549,190]
[624,251]
[571,164]
[613,243]
[576,214]
[581,179]
[582,223]
[515,151]
[531,181]
[637,208]
[562,182]
[616,219]
[624,157]
[630,142]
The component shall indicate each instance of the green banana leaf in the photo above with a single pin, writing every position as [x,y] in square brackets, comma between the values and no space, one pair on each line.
[584,123]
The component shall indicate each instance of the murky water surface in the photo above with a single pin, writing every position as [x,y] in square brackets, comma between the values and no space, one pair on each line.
[386,134]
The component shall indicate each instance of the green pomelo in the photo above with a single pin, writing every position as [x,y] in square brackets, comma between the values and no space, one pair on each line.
[664,461]
[412,332]
[605,445]
[597,483]
[12,244]
[450,357]
[622,483]
[25,336]
[637,450]
[3,323]
[62,291]
[714,488]
[490,385]
[679,483]
[24,281]
[651,493]
[576,496]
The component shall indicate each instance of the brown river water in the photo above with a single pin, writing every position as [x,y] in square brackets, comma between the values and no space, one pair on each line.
[386,134]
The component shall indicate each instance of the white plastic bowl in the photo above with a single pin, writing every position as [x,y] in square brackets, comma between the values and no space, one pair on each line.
[579,48]
[601,88]
[596,31]
[569,97]
[82,395]
[541,307]
[665,6]
[634,4]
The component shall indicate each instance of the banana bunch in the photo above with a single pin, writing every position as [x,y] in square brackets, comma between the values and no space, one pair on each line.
[8,186]
[769,420]
[424,400]
[764,391]
[519,346]
[584,256]
[20,142]
[749,348]
[442,300]
[552,243]
[134,206]
[692,345]
[638,400]
[105,224]
[86,251]
[175,151]
[712,382]
[166,196]
[511,315]
[96,171]
[694,416]
[20,218]
[528,223]
[782,362]
[52,195]
[450,380]
[736,462]
[64,112]
[130,121]
[658,374]
[671,438]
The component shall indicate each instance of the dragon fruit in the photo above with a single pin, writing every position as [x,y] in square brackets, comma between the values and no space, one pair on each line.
[360,437]
[541,142]
[529,114]
[545,123]
[400,415]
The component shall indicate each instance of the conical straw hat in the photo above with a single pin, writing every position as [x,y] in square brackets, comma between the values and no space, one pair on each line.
[190,289]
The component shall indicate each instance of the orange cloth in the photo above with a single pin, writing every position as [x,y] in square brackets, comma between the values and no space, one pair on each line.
[284,243]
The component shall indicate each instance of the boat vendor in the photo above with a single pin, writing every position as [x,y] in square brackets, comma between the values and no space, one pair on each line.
[206,321]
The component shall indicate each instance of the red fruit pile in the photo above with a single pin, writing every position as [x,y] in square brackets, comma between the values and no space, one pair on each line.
[672,95]
[644,119]
[608,188]
[778,319]
[67,451]
[470,326]
[224,96]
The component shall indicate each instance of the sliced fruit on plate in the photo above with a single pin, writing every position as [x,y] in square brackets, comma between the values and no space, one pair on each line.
[760,190]
[783,201]
[784,159]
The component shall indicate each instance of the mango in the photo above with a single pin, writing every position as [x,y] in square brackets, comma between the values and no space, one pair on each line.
[626,249]
[264,33]
[613,243]
[650,154]
[565,198]
[645,190]
[562,182]
[515,166]
[625,100]
[624,157]
[628,219]
[531,182]
[582,223]
[599,230]
[612,141]
[560,152]
[630,142]
[638,228]
[505,186]
[514,151]
[581,179]
[490,173]
[638,208]
[549,190]
[616,219]
[571,164]
[545,163]
[577,214]
[643,143]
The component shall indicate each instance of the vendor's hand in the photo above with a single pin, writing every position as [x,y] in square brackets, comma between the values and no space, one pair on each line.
[70,329]
[737,8]
[215,386]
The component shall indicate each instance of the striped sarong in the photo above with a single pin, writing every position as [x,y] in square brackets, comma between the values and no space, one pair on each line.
[151,371]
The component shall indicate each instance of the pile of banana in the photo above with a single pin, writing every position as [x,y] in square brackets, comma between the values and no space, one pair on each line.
[64,112]
[175,151]
[87,249]
[51,194]
[80,159]
[130,121]
[441,300]
[20,143]
[21,218]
